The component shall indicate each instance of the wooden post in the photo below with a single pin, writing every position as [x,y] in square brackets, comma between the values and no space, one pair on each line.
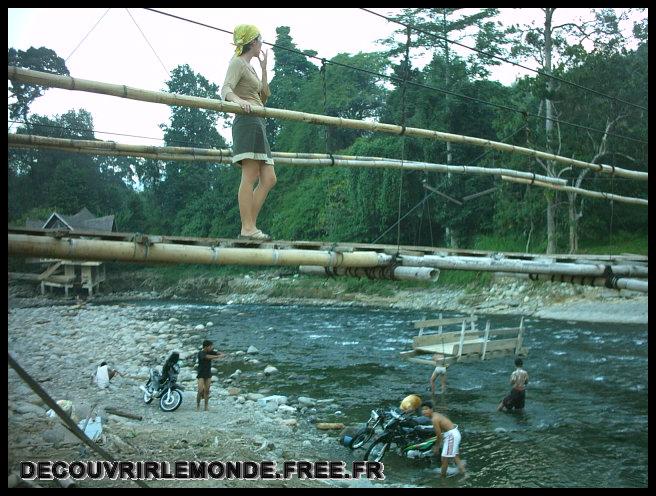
[473,324]
[462,338]
[520,336]
[485,340]
[439,330]
[43,288]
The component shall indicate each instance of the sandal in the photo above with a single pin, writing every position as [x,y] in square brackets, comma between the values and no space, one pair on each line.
[257,236]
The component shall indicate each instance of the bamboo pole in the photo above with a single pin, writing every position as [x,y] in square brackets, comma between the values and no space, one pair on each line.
[524,266]
[282,158]
[69,83]
[612,282]
[398,274]
[585,192]
[123,251]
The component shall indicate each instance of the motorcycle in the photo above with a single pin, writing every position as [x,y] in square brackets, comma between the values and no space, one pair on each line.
[169,393]
[376,419]
[407,434]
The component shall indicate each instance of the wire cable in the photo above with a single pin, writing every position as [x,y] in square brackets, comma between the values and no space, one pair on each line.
[149,44]
[80,43]
[491,55]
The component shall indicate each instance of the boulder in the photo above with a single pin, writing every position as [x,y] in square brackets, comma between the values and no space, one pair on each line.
[270,369]
[287,409]
[252,349]
[305,401]
[254,396]
[274,399]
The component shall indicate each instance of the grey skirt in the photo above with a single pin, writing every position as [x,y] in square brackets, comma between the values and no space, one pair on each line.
[249,139]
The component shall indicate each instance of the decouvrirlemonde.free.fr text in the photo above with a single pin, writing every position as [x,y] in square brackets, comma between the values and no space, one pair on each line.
[230,470]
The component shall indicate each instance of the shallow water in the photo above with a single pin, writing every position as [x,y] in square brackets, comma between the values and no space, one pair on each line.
[586,417]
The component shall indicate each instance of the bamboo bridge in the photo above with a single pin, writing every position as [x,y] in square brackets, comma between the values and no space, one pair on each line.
[372,260]
[375,261]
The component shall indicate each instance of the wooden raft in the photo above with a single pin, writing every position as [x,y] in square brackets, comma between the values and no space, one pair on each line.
[466,345]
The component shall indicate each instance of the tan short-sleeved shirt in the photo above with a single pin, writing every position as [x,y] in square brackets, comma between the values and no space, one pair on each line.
[242,81]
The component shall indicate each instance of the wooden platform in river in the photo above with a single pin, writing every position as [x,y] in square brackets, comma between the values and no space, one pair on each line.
[466,345]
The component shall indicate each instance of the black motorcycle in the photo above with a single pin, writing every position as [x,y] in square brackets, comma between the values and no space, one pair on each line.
[168,392]
[413,437]
[376,420]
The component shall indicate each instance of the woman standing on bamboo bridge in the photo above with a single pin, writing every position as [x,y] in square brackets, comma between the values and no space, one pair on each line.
[250,147]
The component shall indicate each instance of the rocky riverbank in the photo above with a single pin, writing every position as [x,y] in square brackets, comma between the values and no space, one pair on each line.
[60,346]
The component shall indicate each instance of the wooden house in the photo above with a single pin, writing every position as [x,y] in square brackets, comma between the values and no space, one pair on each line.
[84,274]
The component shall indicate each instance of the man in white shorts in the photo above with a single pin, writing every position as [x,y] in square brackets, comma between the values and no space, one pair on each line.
[448,432]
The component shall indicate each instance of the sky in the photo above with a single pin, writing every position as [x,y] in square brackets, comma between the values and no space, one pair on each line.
[116,51]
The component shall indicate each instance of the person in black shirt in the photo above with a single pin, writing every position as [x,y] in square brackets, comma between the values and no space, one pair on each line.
[205,357]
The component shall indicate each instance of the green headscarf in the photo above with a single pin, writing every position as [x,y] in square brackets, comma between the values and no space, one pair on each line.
[244,34]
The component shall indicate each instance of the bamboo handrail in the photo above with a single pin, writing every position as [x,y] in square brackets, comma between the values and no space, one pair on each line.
[66,82]
[585,192]
[225,156]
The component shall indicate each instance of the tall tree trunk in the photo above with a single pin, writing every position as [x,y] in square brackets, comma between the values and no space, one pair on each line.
[573,224]
[549,128]
[450,233]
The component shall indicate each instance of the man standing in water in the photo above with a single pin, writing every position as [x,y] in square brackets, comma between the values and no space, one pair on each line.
[519,380]
[446,429]
[205,357]
[440,371]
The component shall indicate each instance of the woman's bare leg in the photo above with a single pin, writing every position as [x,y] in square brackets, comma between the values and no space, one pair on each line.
[250,172]
[265,184]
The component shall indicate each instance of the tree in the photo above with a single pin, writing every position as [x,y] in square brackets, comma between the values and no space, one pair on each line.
[38,59]
[182,182]
[434,27]
[546,45]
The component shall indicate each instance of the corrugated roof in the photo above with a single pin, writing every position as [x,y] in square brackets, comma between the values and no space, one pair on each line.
[83,220]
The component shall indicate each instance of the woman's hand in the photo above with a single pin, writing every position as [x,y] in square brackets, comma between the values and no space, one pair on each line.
[263,60]
[245,105]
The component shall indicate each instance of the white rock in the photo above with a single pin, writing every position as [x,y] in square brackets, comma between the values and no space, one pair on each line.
[252,349]
[209,324]
[174,320]
[236,374]
[270,369]
[287,409]
[305,401]
[199,327]
[275,399]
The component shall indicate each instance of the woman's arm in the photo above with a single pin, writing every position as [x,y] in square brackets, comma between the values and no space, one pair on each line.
[265,92]
[232,78]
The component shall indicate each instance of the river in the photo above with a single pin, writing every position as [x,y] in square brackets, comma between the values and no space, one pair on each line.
[586,417]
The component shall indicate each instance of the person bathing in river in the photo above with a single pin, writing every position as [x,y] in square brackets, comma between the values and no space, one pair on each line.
[519,380]
[447,432]
[204,376]
[440,371]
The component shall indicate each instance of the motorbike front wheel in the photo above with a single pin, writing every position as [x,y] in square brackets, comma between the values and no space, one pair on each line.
[170,400]
[361,439]
[377,450]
